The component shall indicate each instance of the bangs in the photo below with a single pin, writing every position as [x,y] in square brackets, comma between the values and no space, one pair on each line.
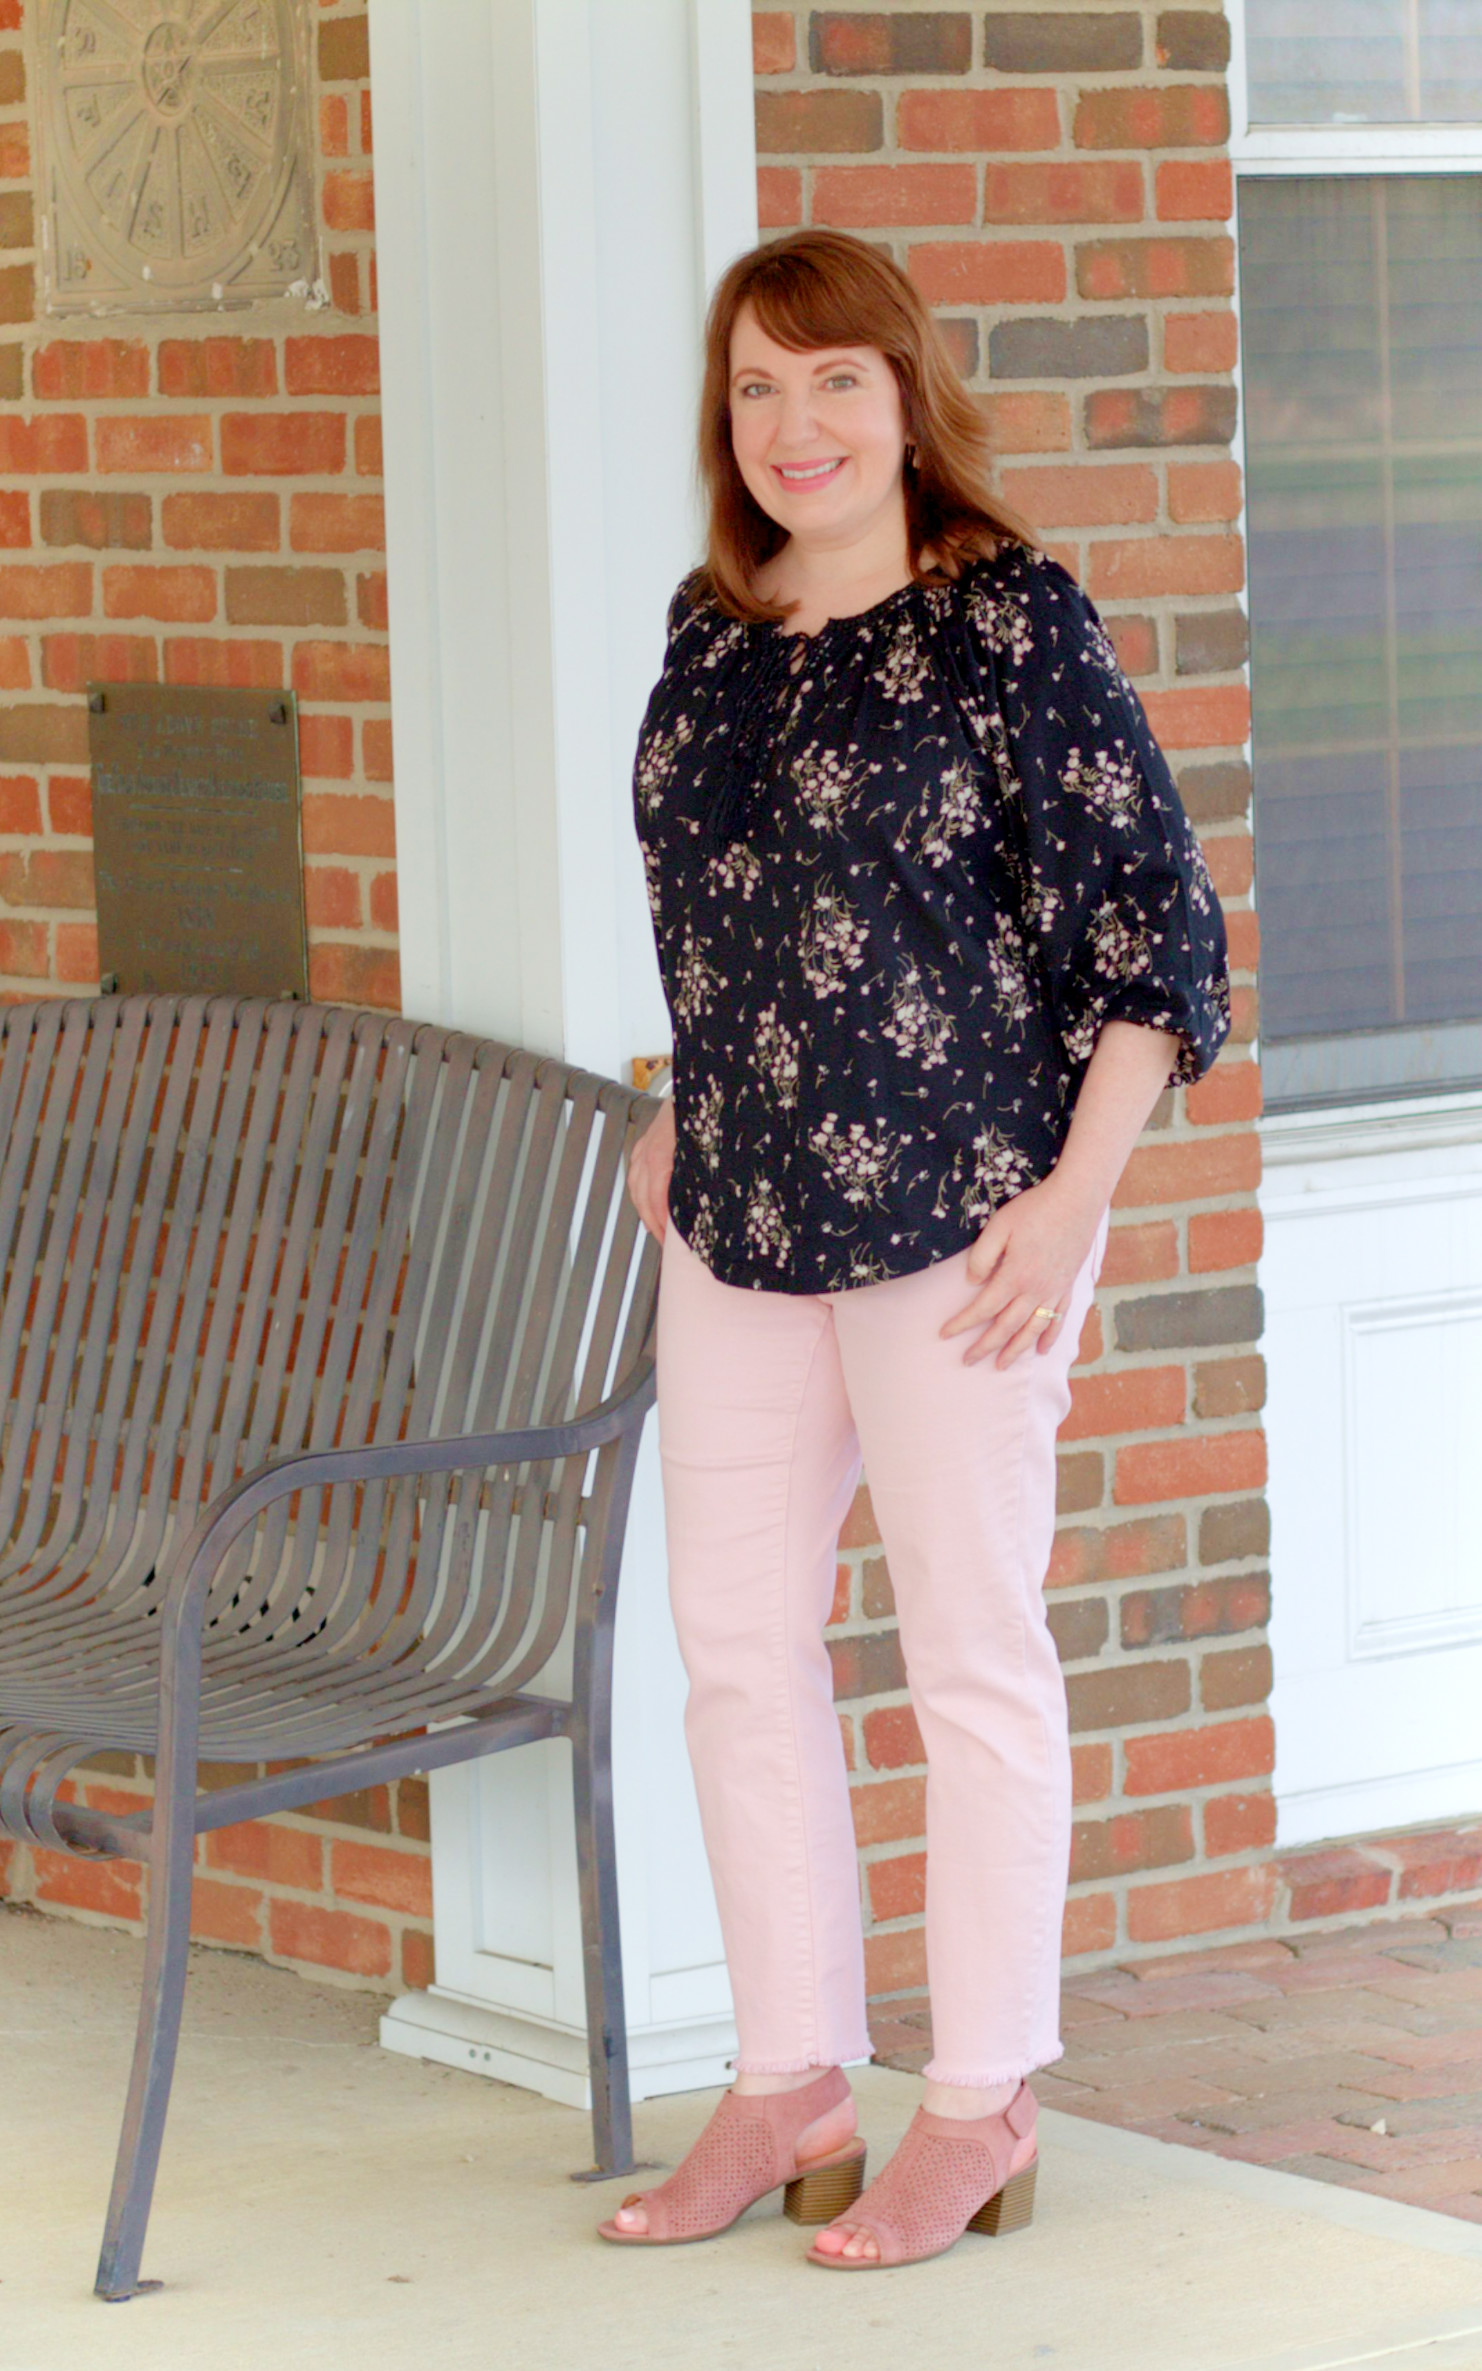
[805,308]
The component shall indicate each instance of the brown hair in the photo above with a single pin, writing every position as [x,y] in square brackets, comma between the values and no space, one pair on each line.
[819,288]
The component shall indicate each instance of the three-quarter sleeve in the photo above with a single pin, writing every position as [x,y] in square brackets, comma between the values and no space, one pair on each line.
[1117,895]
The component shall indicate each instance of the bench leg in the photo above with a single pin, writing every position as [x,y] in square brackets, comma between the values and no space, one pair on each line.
[607,2025]
[154,2058]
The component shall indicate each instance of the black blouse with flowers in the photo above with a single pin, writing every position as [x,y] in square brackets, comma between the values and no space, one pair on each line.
[900,872]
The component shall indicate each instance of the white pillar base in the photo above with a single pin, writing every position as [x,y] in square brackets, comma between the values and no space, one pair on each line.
[537,2055]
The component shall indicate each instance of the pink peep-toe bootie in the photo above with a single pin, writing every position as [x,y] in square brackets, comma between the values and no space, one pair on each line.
[748,2148]
[947,2177]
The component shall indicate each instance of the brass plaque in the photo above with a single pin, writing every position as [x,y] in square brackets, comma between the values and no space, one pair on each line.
[197,841]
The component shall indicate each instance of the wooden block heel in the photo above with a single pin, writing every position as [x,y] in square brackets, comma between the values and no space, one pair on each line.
[825,2191]
[1009,2209]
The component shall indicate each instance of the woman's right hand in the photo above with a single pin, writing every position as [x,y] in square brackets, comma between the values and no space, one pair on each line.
[650,1166]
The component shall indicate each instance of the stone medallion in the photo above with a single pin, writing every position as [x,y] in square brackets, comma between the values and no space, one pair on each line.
[177,167]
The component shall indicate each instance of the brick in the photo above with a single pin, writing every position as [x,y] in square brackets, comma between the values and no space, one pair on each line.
[329,1938]
[384,912]
[15,663]
[49,444]
[1158,1839]
[69,367]
[368,1807]
[1141,1255]
[1240,1677]
[1127,1695]
[43,733]
[228,1915]
[1153,1470]
[1191,1320]
[12,373]
[1196,189]
[1224,1239]
[1097,346]
[892,1739]
[48,877]
[1196,1758]
[151,445]
[221,522]
[960,336]
[418,1960]
[344,50]
[269,1852]
[376,749]
[1203,493]
[386,1878]
[1205,718]
[285,597]
[1135,641]
[69,662]
[1079,1627]
[55,588]
[937,41]
[1218,793]
[897,1887]
[344,282]
[1110,269]
[1229,1092]
[182,596]
[97,521]
[1147,565]
[282,444]
[197,658]
[779,197]
[23,950]
[371,601]
[20,804]
[1238,1823]
[1198,415]
[1211,642]
[982,122]
[69,802]
[861,197]
[414,1809]
[1080,1481]
[1200,1905]
[1104,191]
[773,43]
[15,142]
[347,826]
[1200,341]
[347,201]
[332,365]
[1334,1883]
[332,898]
[110,1889]
[867,1666]
[1052,43]
[889,1811]
[1140,1399]
[1198,1609]
[15,521]
[1193,40]
[17,219]
[1025,422]
[218,366]
[988,272]
[18,294]
[341,974]
[895,1963]
[1243,937]
[368,456]
[877,1589]
[1177,115]
[342,671]
[1229,1534]
[1091,1769]
[1090,1924]
[76,956]
[334,126]
[1230,1387]
[819,123]
[1077,495]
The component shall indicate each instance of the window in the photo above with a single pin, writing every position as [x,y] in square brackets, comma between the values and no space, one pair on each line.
[1361,301]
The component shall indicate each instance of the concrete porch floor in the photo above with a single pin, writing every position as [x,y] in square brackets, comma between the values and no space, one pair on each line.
[325,2204]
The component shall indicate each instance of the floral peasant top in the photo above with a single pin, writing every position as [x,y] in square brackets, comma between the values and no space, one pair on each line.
[900,872]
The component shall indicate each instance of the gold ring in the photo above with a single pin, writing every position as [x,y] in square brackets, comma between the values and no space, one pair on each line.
[1052,1314]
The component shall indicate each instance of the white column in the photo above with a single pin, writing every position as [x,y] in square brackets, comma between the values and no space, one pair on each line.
[557,183]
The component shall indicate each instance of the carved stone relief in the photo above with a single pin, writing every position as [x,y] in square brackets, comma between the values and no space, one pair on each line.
[176,160]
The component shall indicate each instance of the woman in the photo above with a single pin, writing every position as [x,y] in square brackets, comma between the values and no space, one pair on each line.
[934,934]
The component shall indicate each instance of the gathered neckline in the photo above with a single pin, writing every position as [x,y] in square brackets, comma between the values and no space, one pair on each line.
[853,617]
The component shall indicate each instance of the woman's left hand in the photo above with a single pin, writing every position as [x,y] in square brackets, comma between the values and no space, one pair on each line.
[1027,1258]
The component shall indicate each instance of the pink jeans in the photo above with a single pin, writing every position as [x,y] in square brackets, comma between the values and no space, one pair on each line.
[769,1404]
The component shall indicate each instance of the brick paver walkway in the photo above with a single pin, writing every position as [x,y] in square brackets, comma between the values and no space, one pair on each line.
[1352,2056]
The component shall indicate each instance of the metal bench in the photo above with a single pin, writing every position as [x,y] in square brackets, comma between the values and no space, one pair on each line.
[326,1343]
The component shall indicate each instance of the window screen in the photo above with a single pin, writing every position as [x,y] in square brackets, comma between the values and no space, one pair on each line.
[1364,61]
[1362,304]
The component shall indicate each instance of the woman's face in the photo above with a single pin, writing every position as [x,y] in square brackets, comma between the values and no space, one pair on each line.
[819,437]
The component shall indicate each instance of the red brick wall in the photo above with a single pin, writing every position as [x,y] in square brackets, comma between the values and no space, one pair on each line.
[1057,183]
[197,500]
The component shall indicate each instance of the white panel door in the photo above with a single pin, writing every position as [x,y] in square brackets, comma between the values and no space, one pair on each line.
[1373,1281]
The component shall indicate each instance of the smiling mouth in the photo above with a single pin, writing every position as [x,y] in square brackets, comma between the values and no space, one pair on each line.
[808,473]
